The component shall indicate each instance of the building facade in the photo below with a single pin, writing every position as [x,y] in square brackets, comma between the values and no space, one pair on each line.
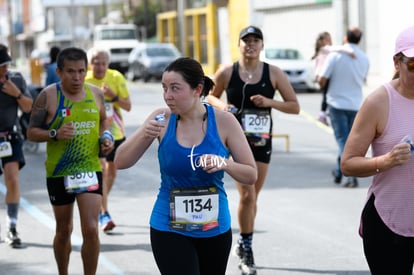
[296,23]
[208,29]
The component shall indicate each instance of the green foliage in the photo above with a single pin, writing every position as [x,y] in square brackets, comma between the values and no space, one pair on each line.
[146,16]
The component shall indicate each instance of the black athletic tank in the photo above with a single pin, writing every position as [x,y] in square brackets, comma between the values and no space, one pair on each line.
[239,92]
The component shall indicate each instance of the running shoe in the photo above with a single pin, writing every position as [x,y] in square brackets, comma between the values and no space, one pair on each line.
[106,222]
[337,178]
[13,239]
[238,250]
[322,118]
[352,182]
[247,265]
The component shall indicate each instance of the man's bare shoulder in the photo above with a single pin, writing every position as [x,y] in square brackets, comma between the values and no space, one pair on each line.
[48,91]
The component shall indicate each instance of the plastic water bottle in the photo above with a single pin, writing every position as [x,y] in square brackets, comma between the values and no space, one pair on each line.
[409,140]
[160,118]
[233,109]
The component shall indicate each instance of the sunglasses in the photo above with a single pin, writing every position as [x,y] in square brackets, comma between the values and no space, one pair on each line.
[409,63]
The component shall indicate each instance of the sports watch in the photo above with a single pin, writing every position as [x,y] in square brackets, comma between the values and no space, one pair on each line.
[53,134]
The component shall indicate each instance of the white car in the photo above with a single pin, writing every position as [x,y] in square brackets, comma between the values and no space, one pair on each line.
[119,40]
[298,69]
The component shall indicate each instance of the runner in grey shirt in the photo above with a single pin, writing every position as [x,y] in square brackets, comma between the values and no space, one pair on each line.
[13,96]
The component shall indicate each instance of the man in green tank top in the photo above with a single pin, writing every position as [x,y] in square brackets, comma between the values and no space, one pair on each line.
[70,117]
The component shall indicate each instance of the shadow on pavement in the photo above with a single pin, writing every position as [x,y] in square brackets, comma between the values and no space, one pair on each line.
[314,271]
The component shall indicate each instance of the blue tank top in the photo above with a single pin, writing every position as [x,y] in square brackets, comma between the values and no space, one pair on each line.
[178,167]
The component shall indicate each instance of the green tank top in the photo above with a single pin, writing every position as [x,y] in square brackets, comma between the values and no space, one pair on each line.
[80,154]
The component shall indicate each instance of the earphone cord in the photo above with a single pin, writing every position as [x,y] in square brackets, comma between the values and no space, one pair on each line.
[243,98]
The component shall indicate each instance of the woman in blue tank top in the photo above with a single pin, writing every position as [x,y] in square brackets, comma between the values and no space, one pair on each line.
[190,221]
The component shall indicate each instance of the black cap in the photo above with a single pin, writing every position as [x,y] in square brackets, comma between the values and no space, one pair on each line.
[251,30]
[4,56]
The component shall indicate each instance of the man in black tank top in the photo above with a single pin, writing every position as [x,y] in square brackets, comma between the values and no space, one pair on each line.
[250,86]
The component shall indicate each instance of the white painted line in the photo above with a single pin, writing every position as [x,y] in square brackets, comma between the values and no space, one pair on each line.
[51,224]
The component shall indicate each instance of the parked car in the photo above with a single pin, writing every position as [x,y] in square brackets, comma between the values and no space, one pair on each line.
[298,69]
[149,60]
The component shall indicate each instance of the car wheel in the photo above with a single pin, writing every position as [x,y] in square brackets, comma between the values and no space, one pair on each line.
[146,77]
[130,76]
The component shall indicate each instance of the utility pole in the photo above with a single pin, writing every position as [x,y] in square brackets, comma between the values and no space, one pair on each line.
[342,14]
[345,22]
[181,23]
[105,11]
[10,21]
[73,22]
[362,24]
[146,12]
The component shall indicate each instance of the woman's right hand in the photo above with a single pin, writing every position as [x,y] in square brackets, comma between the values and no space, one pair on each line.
[400,154]
[153,128]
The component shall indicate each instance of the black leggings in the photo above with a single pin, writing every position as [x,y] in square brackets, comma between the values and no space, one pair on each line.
[386,252]
[176,254]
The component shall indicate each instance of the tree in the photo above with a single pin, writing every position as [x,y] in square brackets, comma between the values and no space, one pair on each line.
[145,17]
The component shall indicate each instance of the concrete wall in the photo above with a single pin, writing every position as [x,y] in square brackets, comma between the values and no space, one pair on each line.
[384,20]
[298,26]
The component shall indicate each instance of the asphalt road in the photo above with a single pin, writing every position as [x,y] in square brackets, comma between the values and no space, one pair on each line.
[305,223]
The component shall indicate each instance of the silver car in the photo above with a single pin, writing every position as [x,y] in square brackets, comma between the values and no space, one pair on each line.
[148,60]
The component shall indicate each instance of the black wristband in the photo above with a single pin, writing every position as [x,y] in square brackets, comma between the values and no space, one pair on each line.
[115,99]
[19,96]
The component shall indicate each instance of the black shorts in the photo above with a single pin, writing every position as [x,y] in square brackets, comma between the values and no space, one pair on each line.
[58,194]
[262,153]
[16,142]
[111,156]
